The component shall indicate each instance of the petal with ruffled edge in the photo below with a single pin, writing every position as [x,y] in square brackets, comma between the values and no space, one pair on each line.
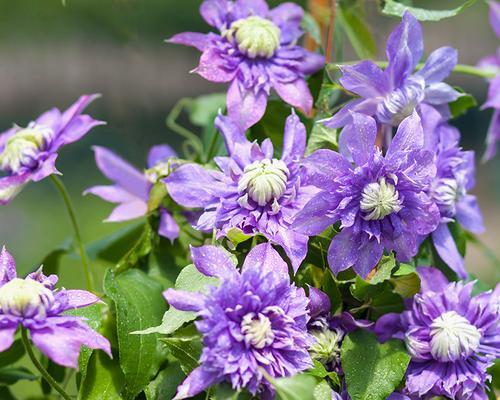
[409,137]
[295,93]
[447,250]
[213,67]
[10,186]
[319,302]
[358,138]
[365,79]
[121,172]
[194,39]
[439,64]
[343,251]
[231,132]
[168,226]
[431,280]
[197,381]
[183,300]
[294,139]
[288,17]
[61,338]
[244,106]
[469,215]
[212,261]
[404,49]
[265,258]
[7,266]
[160,153]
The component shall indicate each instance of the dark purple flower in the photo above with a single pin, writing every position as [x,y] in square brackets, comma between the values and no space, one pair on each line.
[455,177]
[255,192]
[254,320]
[33,303]
[29,154]
[381,201]
[391,95]
[256,50]
[493,63]
[453,338]
[132,187]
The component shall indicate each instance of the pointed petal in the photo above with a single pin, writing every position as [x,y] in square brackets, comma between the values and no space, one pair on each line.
[294,139]
[469,215]
[447,250]
[295,93]
[194,39]
[369,254]
[197,381]
[265,257]
[168,226]
[311,63]
[342,252]
[160,153]
[7,266]
[7,333]
[212,261]
[359,138]
[112,194]
[288,16]
[344,115]
[492,137]
[314,217]
[495,16]
[324,164]
[431,279]
[214,12]
[213,67]
[10,186]
[365,79]
[439,64]
[231,132]
[319,302]
[244,107]
[409,136]
[128,211]
[440,93]
[294,244]
[183,300]
[76,298]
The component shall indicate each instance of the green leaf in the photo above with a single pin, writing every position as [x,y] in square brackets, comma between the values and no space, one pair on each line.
[384,269]
[204,109]
[6,394]
[165,384]
[12,354]
[353,22]
[406,285]
[139,305]
[311,27]
[462,104]
[187,350]
[372,370]
[9,376]
[396,9]
[52,261]
[322,137]
[319,371]
[140,249]
[104,380]
[297,387]
[322,391]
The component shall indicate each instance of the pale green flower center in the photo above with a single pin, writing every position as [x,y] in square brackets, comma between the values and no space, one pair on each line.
[25,296]
[326,348]
[255,36]
[264,180]
[379,199]
[453,337]
[22,148]
[160,170]
[257,330]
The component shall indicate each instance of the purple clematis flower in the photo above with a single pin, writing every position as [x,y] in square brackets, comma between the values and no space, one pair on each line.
[34,304]
[455,176]
[254,320]
[256,50]
[255,192]
[391,95]
[453,338]
[29,154]
[132,187]
[493,63]
[381,202]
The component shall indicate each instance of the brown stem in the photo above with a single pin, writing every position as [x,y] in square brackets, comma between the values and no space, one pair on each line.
[331,30]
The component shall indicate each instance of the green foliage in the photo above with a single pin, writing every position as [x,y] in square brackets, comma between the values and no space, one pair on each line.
[297,387]
[9,376]
[395,9]
[322,391]
[461,105]
[352,21]
[372,370]
[104,380]
[165,384]
[13,354]
[185,346]
[311,27]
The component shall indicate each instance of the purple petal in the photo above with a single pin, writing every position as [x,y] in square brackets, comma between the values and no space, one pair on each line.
[388,326]
[409,136]
[359,138]
[47,281]
[295,93]
[294,244]
[365,79]
[78,127]
[76,109]
[245,8]
[125,175]
[8,330]
[342,252]
[319,302]
[294,139]
[493,94]
[128,211]
[214,12]
[495,16]
[10,186]
[439,64]
[76,298]
[404,49]
[440,93]
[191,185]
[212,261]
[168,226]
[194,39]
[431,280]
[344,115]
[469,215]
[288,16]
[265,257]
[213,67]
[244,107]
[160,153]
[231,132]
[447,250]
[369,254]
[322,165]
[492,137]
[4,136]
[47,168]
[311,63]
[197,381]
[183,300]
[112,194]
[7,266]
[314,217]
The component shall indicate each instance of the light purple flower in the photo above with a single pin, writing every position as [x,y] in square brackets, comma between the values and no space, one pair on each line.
[455,177]
[453,338]
[132,187]
[33,303]
[256,50]
[381,201]
[254,192]
[492,63]
[29,154]
[254,320]
[391,95]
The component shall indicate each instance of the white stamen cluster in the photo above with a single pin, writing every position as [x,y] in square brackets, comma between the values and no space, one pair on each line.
[326,349]
[379,199]
[257,330]
[25,298]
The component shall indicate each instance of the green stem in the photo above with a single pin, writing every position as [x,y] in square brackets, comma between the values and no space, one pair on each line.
[78,237]
[192,139]
[211,147]
[459,68]
[51,381]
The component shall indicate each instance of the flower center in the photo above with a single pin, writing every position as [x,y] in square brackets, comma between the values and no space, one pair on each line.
[25,297]
[255,36]
[257,330]
[159,171]
[326,349]
[23,147]
[453,337]
[379,199]
[264,180]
